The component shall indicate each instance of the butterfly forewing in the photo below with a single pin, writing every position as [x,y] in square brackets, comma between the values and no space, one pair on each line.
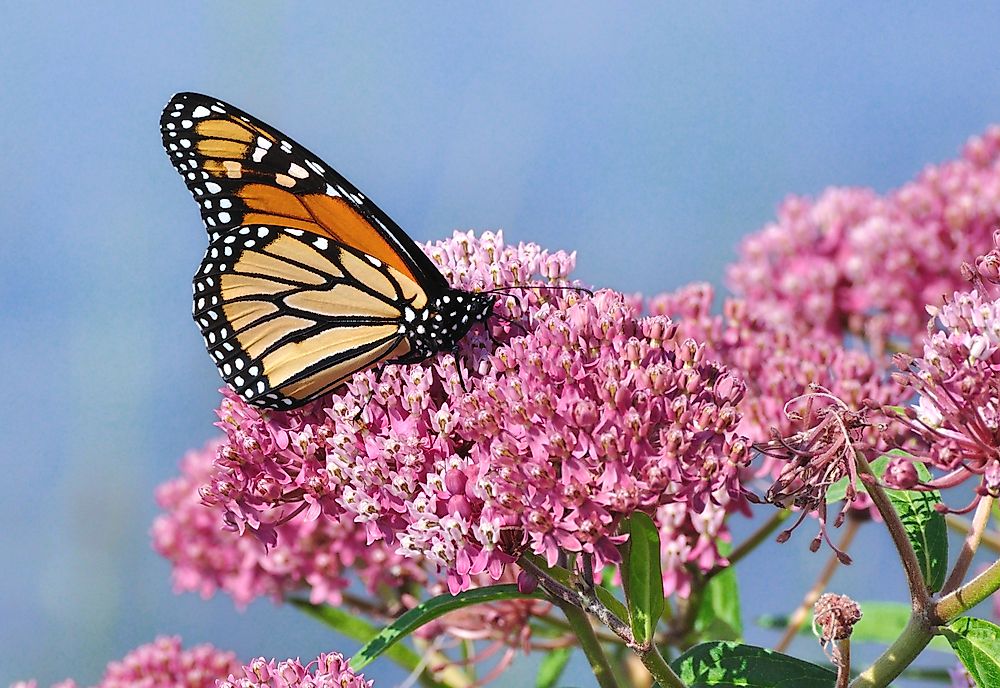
[288,315]
[242,172]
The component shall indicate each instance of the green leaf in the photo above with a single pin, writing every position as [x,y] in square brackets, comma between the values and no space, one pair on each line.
[609,600]
[977,644]
[732,665]
[358,629]
[645,582]
[426,612]
[552,666]
[881,623]
[925,529]
[719,615]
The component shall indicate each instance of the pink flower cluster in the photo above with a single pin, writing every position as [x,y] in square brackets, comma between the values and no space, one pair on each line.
[867,264]
[326,671]
[781,362]
[314,555]
[584,413]
[164,663]
[958,379]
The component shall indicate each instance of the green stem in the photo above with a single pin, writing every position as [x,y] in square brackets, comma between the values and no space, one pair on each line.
[920,598]
[658,667]
[898,656]
[591,645]
[950,607]
[561,625]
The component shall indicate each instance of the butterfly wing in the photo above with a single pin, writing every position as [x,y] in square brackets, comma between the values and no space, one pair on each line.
[288,315]
[243,172]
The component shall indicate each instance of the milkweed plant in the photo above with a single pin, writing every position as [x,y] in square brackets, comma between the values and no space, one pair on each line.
[570,479]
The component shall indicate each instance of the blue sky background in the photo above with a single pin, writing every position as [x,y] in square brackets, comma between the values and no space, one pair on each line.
[649,137]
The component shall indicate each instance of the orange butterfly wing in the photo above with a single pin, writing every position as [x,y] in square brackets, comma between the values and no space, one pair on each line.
[243,172]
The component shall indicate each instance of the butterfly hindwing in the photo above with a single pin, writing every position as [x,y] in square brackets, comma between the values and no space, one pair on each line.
[243,172]
[288,316]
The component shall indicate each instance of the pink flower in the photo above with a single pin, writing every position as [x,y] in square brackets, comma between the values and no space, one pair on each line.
[782,361]
[312,555]
[164,664]
[326,671]
[854,261]
[958,380]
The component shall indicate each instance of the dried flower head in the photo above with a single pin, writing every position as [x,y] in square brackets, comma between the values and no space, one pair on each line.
[834,616]
[814,458]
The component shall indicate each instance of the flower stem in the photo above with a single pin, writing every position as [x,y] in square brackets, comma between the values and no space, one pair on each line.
[919,596]
[968,596]
[921,628]
[898,656]
[843,657]
[801,613]
[585,600]
[969,547]
[658,667]
[591,645]
[561,625]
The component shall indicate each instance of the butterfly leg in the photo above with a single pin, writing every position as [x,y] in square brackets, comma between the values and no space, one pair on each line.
[458,367]
[371,392]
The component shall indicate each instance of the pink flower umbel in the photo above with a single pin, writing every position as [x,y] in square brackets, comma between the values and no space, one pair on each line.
[958,380]
[854,261]
[578,412]
[164,663]
[326,671]
[312,555]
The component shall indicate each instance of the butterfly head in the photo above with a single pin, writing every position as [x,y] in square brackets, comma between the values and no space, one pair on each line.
[445,321]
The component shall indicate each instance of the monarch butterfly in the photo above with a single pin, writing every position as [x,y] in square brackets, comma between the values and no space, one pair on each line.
[305,281]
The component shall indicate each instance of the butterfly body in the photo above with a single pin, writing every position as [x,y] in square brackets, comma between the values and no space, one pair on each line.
[305,281]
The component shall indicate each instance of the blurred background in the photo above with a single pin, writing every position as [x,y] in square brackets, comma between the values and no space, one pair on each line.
[647,137]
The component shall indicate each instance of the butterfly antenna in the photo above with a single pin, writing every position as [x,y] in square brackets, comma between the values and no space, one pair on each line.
[549,287]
